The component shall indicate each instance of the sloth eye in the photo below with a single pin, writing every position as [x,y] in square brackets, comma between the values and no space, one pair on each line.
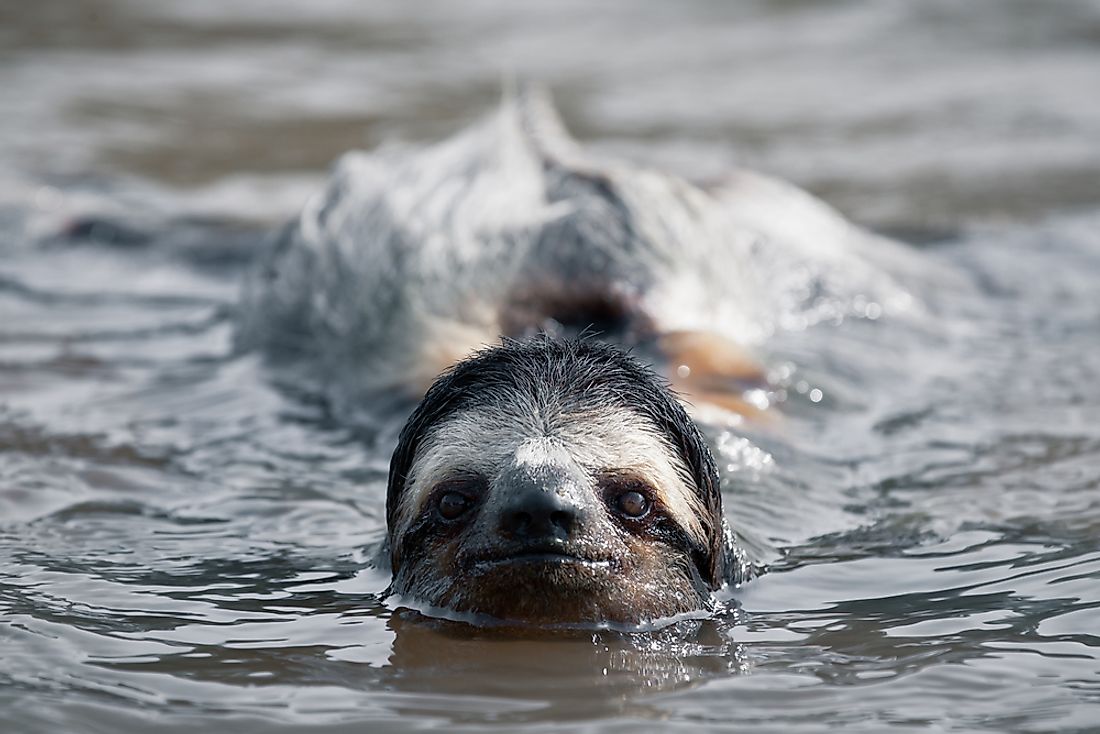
[452,505]
[632,504]
[455,496]
[629,496]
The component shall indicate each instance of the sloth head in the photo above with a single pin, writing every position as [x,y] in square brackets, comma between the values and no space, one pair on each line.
[555,482]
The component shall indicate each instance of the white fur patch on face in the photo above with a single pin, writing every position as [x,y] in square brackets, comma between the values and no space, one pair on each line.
[490,441]
[539,451]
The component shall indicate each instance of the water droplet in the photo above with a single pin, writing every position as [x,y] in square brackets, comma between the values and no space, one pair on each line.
[758,399]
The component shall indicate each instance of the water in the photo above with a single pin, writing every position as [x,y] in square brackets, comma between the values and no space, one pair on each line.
[184,544]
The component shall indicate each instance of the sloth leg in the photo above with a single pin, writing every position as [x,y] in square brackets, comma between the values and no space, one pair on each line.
[705,367]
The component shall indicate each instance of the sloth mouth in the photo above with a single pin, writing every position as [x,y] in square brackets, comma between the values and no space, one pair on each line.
[546,557]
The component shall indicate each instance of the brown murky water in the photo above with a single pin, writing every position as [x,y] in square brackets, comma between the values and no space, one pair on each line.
[184,546]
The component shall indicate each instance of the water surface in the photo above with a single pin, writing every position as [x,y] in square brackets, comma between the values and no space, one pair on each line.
[186,544]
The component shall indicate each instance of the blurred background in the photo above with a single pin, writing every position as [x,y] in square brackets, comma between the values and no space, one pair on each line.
[902,114]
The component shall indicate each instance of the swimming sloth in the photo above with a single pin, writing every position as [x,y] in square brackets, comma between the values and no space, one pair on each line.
[549,479]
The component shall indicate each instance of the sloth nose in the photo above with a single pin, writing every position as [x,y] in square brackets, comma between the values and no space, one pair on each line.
[538,508]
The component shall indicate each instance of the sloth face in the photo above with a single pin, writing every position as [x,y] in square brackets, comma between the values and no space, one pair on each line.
[554,482]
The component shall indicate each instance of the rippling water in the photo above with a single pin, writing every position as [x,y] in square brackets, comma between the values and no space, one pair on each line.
[185,544]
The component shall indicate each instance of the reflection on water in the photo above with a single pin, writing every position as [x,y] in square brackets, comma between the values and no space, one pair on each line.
[184,544]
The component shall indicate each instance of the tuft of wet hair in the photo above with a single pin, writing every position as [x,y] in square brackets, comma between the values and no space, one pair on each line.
[577,375]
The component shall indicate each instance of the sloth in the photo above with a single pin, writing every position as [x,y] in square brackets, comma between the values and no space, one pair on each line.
[550,478]
[556,482]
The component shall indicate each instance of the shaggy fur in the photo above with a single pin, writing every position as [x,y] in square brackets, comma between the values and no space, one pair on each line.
[412,259]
